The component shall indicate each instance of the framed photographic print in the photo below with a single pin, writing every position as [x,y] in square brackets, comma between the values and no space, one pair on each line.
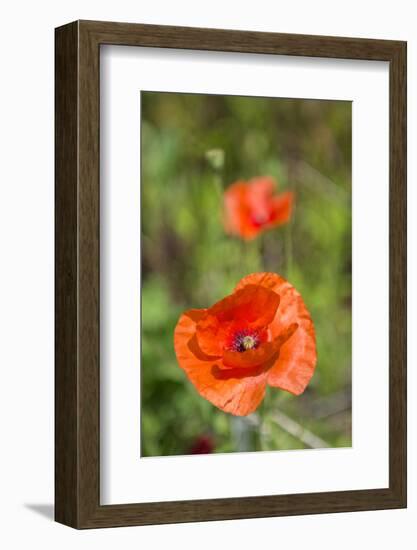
[230,274]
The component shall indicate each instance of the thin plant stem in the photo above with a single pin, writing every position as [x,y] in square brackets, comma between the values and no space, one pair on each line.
[288,244]
[289,425]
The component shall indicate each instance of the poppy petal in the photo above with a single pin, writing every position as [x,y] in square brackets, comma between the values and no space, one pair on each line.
[237,212]
[235,206]
[212,335]
[236,391]
[259,356]
[251,207]
[281,208]
[254,306]
[259,197]
[271,281]
[297,358]
[261,188]
[295,365]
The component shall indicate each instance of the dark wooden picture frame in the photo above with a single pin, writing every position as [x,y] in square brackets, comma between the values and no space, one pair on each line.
[77,372]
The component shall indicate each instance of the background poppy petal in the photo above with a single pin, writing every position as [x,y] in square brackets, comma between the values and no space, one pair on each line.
[235,208]
[250,207]
[238,210]
[259,197]
[235,390]
[281,208]
[261,188]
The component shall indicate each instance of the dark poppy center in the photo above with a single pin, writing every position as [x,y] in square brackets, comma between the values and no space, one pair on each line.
[245,340]
[259,219]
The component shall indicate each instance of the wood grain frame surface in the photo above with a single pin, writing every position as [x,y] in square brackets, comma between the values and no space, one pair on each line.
[77,197]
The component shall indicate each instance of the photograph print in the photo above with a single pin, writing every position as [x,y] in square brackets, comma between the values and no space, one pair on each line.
[246,255]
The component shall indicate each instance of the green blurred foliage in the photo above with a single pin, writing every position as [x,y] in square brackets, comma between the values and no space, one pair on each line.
[193,147]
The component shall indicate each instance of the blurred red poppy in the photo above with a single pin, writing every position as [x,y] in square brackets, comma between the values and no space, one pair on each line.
[251,207]
[260,334]
[203,445]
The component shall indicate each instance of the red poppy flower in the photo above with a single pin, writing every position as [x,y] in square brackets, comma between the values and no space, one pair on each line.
[202,445]
[261,334]
[250,207]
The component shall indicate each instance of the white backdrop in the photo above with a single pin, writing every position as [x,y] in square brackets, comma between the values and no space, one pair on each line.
[126,478]
[26,290]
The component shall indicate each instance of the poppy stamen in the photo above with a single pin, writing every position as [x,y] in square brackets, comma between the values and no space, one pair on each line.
[260,219]
[245,340]
[248,342]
